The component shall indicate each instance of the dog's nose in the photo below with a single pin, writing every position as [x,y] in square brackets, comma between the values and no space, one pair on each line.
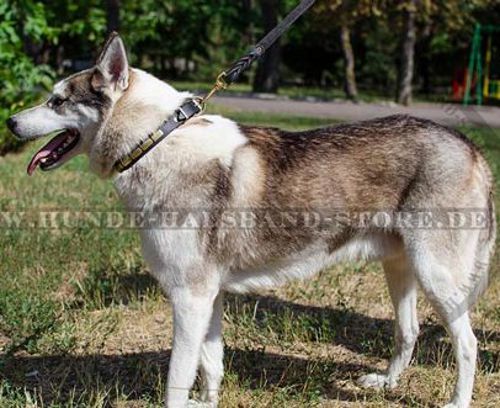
[12,124]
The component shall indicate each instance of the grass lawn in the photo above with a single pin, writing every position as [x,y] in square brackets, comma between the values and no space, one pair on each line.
[82,324]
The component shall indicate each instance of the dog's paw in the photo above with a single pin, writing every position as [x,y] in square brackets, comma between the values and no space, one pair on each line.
[199,404]
[451,405]
[375,380]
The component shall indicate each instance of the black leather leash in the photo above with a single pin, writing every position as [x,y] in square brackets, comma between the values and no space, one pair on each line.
[195,106]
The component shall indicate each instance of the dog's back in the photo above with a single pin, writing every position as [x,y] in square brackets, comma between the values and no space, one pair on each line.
[391,165]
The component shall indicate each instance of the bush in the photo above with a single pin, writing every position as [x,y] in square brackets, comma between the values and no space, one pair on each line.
[22,81]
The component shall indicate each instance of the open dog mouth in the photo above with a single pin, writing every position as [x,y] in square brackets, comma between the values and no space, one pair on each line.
[54,151]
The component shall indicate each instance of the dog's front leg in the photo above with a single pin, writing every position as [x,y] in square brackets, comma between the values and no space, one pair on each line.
[212,352]
[192,314]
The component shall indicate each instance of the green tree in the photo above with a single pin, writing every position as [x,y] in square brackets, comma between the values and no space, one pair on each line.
[346,14]
[177,37]
[23,25]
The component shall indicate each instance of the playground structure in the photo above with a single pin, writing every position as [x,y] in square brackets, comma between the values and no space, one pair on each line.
[486,82]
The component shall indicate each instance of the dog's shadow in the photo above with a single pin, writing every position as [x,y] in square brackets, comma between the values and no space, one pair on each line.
[58,378]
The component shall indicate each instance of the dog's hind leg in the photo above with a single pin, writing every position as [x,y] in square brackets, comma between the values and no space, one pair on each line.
[446,278]
[465,347]
[211,359]
[192,315]
[403,291]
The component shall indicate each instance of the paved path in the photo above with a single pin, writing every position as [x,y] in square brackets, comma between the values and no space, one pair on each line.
[447,114]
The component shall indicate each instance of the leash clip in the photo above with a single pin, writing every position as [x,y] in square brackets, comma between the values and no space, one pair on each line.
[220,84]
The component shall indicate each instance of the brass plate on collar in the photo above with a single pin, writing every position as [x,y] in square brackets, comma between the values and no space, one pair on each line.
[147,144]
[125,161]
[136,153]
[156,135]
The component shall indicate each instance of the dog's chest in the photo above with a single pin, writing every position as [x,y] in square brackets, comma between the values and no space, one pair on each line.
[174,206]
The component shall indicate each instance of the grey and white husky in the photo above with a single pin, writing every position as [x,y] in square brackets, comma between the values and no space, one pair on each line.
[395,166]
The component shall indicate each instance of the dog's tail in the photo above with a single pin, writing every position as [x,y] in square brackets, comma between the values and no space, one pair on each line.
[487,237]
[485,247]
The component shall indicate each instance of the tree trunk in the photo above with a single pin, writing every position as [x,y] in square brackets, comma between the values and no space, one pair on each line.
[351,88]
[112,15]
[267,76]
[247,6]
[408,56]
[425,59]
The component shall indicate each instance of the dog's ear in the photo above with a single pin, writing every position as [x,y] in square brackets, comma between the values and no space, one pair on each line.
[112,66]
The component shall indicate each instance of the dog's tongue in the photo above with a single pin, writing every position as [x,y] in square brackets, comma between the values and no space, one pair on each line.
[46,151]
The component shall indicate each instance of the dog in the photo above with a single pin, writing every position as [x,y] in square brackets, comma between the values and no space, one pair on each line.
[391,166]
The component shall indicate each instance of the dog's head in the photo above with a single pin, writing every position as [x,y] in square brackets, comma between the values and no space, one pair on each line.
[76,110]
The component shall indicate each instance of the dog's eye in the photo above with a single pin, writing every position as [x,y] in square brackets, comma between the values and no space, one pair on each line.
[56,101]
